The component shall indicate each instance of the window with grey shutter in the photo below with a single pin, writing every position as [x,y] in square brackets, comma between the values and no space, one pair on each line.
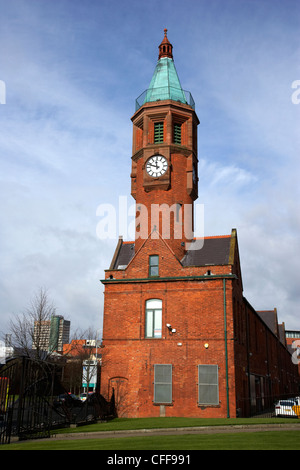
[163,383]
[208,384]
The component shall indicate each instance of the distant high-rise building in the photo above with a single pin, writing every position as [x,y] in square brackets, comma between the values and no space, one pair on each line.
[51,335]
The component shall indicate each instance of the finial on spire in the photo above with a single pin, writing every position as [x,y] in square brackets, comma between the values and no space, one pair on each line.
[165,48]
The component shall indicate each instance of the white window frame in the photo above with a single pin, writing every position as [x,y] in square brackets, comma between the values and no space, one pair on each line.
[153,318]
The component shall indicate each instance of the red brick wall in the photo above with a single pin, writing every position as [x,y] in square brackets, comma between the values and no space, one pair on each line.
[176,186]
[195,308]
[260,357]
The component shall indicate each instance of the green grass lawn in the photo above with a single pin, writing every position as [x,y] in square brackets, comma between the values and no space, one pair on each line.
[271,440]
[123,424]
[262,440]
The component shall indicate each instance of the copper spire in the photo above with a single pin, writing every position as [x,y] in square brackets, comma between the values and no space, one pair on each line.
[165,48]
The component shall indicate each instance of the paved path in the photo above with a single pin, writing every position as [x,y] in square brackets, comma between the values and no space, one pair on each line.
[178,431]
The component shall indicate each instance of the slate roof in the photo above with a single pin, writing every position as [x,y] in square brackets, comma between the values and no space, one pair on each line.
[269,317]
[215,251]
[126,253]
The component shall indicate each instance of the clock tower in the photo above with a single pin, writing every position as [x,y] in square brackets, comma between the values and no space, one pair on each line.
[164,158]
[177,329]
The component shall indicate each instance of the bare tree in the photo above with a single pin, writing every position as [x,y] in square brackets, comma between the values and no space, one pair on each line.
[28,329]
[30,333]
[88,355]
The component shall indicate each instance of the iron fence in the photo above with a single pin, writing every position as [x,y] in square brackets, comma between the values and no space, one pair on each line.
[33,401]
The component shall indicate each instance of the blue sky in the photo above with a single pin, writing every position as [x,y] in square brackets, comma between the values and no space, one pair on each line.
[73,70]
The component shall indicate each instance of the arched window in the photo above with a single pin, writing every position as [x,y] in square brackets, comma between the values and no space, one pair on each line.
[153,325]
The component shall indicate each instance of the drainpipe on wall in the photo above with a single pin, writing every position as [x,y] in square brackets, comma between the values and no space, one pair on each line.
[226,351]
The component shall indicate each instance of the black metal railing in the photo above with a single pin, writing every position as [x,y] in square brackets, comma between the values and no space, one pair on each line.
[33,401]
[165,93]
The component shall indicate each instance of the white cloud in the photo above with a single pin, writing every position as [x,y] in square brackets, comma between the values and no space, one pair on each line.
[218,177]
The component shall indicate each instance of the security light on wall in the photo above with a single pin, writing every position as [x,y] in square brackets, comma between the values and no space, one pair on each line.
[171,330]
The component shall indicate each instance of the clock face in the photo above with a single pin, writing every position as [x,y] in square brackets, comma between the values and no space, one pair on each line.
[156,166]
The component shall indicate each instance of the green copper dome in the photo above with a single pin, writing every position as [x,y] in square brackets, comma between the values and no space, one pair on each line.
[165,83]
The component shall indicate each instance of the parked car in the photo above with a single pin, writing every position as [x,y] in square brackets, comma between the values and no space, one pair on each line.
[83,396]
[284,408]
[68,399]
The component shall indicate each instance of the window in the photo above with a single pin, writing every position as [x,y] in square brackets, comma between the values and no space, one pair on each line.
[292,334]
[163,383]
[153,265]
[177,133]
[208,386]
[178,213]
[153,324]
[158,132]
